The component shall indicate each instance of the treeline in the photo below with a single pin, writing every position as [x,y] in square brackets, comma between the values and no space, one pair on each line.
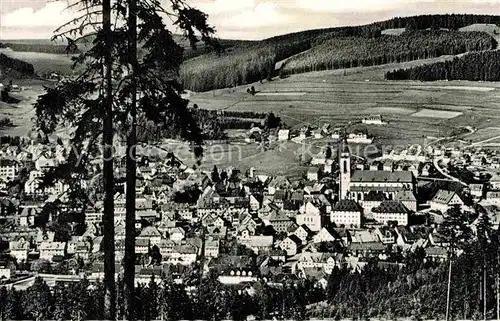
[41,48]
[474,66]
[201,49]
[243,114]
[422,22]
[448,21]
[212,124]
[356,52]
[12,66]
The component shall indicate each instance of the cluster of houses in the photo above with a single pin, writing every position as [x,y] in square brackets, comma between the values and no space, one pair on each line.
[310,132]
[243,225]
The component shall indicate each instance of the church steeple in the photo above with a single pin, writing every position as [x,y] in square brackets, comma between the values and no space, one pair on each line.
[345,169]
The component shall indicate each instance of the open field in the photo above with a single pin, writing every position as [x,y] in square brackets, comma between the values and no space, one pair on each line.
[393,32]
[414,110]
[280,159]
[436,113]
[485,135]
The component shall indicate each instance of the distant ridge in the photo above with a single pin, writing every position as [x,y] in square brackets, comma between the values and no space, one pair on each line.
[256,61]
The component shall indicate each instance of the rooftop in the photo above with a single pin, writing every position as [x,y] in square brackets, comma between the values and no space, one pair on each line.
[382,176]
[390,207]
[346,206]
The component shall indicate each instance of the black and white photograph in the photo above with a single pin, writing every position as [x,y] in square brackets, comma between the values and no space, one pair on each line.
[218,160]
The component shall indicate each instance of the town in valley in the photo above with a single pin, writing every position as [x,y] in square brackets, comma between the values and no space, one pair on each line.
[357,176]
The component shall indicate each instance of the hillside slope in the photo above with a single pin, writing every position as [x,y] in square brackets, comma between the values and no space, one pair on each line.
[351,52]
[490,29]
[255,61]
[15,68]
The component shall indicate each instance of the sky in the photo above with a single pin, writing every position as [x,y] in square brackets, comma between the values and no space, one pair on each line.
[247,19]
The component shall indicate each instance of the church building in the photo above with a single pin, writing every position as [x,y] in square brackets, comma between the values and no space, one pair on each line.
[363,182]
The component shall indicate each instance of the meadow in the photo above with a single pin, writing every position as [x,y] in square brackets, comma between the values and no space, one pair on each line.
[414,110]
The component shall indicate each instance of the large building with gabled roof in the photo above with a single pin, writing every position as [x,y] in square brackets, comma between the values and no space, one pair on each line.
[387,182]
[391,211]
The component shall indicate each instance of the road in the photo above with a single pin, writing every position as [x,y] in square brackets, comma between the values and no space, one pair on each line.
[435,162]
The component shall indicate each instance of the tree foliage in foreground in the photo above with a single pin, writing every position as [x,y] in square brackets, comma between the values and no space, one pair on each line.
[115,87]
[484,66]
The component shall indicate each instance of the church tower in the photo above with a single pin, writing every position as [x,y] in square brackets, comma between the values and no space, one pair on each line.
[345,169]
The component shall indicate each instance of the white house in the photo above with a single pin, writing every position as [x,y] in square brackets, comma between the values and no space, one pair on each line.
[8,169]
[476,190]
[290,245]
[443,200]
[257,243]
[151,234]
[176,233]
[373,120]
[19,250]
[184,254]
[493,197]
[359,138]
[313,174]
[310,216]
[324,261]
[324,235]
[212,248]
[303,233]
[408,199]
[5,273]
[284,134]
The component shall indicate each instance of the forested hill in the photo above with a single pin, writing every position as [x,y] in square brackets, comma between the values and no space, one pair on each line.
[249,62]
[484,66]
[10,67]
[349,52]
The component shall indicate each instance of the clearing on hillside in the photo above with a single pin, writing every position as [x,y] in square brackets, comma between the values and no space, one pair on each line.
[433,113]
[393,32]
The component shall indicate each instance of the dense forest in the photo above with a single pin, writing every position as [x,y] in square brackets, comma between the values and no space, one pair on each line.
[15,67]
[352,52]
[252,61]
[474,66]
[241,65]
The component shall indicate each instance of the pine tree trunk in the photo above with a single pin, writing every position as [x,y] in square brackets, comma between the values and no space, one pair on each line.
[484,290]
[498,286]
[498,273]
[129,271]
[108,216]
[448,290]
